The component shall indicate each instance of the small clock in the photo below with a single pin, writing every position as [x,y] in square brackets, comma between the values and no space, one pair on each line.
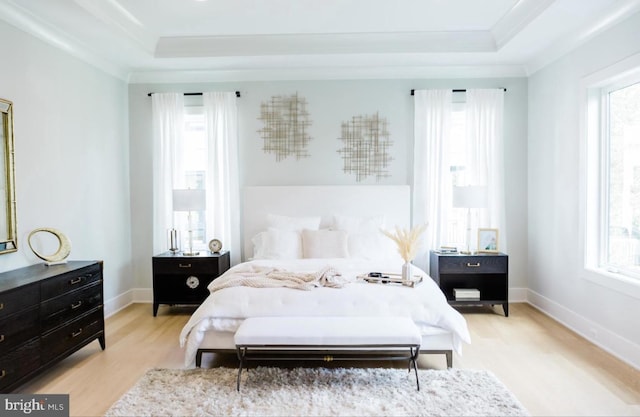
[215,245]
[193,282]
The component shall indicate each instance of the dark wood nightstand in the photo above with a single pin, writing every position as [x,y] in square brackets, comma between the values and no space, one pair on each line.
[180,279]
[486,272]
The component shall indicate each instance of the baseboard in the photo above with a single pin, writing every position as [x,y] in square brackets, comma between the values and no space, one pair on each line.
[143,295]
[518,295]
[618,346]
[135,295]
[117,303]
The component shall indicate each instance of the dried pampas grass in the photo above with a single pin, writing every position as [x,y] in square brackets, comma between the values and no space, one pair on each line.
[407,240]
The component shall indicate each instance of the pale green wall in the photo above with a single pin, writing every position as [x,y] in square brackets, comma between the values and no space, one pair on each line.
[330,103]
[71,155]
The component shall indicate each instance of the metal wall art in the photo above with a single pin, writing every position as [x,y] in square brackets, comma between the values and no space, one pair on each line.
[366,147]
[286,124]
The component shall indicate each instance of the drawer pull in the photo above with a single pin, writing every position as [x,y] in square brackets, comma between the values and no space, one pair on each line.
[184,265]
[1,306]
[75,281]
[76,334]
[470,265]
[76,305]
[3,373]
[1,338]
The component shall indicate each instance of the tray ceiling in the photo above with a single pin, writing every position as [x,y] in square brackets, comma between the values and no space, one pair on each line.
[228,40]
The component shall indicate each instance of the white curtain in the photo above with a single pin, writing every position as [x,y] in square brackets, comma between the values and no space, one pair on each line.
[484,135]
[168,122]
[222,184]
[431,180]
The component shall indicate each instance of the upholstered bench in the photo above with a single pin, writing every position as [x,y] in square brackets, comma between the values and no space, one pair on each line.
[328,339]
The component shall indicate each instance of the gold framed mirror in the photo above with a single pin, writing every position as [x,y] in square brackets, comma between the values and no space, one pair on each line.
[8,234]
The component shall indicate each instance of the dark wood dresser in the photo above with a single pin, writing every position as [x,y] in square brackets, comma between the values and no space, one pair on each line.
[46,314]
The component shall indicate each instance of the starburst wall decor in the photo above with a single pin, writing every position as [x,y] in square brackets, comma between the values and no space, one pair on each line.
[286,124]
[366,147]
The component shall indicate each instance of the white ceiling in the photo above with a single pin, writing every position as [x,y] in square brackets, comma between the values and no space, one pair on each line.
[229,40]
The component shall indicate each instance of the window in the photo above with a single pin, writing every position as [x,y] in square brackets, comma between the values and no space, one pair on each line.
[612,177]
[192,172]
[457,157]
[620,194]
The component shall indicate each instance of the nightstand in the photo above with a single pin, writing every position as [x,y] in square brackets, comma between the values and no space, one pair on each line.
[486,272]
[180,279]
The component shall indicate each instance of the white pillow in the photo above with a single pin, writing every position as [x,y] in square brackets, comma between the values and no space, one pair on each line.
[373,246]
[324,244]
[276,221]
[277,244]
[351,224]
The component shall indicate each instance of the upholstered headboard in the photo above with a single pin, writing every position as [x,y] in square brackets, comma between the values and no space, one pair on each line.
[392,201]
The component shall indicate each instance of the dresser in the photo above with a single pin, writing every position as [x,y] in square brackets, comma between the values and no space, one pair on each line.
[488,273]
[46,314]
[180,279]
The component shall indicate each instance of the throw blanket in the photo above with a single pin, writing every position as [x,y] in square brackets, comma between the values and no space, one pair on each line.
[268,277]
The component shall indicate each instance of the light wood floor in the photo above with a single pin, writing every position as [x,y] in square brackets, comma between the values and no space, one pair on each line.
[551,370]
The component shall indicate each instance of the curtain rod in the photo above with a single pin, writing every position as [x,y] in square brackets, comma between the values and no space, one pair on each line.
[196,94]
[464,90]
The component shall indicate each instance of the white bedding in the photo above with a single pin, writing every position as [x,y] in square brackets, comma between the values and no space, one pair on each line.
[225,309]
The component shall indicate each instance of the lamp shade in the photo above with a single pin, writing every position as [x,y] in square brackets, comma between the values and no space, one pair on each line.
[474,196]
[189,200]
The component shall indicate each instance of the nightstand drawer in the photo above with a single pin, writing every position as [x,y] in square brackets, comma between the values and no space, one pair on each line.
[485,264]
[185,265]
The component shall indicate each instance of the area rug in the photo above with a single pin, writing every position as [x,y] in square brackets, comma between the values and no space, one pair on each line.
[272,391]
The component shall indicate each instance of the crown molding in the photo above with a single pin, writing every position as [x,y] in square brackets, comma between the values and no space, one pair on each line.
[23,20]
[322,44]
[622,10]
[328,73]
[516,19]
[119,19]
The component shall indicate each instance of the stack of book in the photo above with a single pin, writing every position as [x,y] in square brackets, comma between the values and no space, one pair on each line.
[466,294]
[447,249]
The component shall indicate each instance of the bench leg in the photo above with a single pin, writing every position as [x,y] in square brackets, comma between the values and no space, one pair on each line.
[449,355]
[241,353]
[414,356]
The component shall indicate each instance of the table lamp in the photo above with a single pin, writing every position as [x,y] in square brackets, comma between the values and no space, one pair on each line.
[469,197]
[189,200]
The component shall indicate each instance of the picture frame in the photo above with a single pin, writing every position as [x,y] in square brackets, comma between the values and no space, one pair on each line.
[488,240]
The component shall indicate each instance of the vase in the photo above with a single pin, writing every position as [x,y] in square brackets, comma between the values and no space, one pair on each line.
[407,268]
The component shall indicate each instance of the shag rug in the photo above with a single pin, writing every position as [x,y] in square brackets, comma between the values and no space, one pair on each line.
[272,391]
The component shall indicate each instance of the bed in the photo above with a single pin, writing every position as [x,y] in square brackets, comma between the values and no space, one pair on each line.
[302,230]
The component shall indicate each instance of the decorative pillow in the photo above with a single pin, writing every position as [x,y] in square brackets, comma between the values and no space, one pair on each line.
[351,224]
[276,221]
[277,244]
[365,240]
[324,244]
[373,246]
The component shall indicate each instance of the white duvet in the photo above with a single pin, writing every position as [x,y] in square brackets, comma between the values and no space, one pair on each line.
[225,309]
